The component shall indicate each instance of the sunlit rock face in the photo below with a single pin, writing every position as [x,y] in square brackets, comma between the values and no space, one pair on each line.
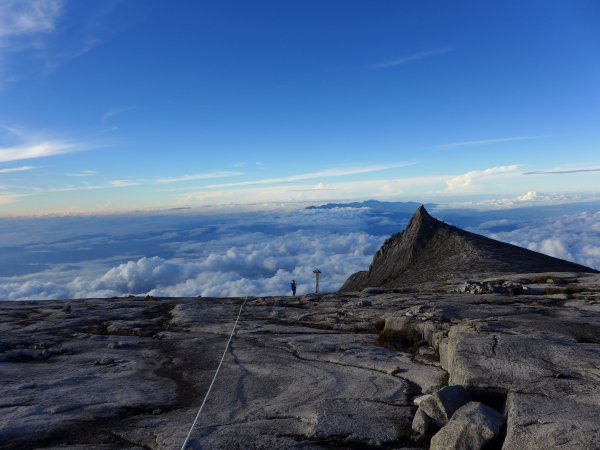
[430,250]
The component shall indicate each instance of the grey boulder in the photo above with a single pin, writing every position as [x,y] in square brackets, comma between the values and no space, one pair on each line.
[421,422]
[471,427]
[441,405]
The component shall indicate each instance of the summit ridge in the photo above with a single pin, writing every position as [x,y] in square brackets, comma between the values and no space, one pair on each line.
[431,250]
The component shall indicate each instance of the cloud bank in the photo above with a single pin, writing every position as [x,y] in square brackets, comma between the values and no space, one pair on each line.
[572,237]
[246,253]
[464,183]
[236,255]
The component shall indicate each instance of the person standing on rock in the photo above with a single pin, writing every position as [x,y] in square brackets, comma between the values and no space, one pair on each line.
[293,287]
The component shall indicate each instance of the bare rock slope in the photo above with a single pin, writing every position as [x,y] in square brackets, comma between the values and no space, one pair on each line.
[429,250]
[508,360]
[340,371]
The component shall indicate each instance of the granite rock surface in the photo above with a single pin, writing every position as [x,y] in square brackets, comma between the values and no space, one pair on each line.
[327,371]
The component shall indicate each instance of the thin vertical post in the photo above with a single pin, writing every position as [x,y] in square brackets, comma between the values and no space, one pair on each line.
[316,272]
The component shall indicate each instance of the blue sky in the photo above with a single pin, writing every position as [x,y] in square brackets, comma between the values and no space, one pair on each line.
[125,105]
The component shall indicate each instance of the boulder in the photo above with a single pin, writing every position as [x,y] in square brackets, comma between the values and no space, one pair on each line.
[421,422]
[471,427]
[441,405]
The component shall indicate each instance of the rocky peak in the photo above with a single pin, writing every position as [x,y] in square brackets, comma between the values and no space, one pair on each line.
[421,218]
[431,250]
[420,229]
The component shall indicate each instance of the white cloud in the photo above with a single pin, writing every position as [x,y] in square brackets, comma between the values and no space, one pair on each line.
[220,257]
[33,290]
[240,254]
[28,29]
[575,237]
[333,172]
[83,173]
[592,250]
[124,183]
[262,265]
[495,223]
[348,190]
[491,141]
[554,247]
[27,17]
[199,176]
[6,198]
[414,57]
[23,26]
[530,196]
[16,169]
[560,171]
[465,183]
[38,150]
[115,112]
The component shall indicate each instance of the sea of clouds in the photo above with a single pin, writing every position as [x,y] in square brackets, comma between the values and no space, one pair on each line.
[239,254]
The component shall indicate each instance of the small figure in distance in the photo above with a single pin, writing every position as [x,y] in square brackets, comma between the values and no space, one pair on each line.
[294,288]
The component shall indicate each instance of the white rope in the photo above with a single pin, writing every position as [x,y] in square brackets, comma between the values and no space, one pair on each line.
[185,443]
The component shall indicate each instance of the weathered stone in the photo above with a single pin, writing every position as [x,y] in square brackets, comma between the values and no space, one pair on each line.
[543,422]
[471,427]
[421,422]
[442,404]
[417,400]
[300,375]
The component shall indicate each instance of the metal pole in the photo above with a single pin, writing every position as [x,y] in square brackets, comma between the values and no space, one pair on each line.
[317,272]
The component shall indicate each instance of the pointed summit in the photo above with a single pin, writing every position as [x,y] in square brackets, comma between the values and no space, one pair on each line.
[421,225]
[431,250]
[421,214]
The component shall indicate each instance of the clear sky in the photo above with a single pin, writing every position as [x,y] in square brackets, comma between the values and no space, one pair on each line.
[135,104]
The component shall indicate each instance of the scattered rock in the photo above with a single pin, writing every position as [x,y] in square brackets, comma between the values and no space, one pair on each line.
[421,422]
[471,427]
[442,404]
[491,287]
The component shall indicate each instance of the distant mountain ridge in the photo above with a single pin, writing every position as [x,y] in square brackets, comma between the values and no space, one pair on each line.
[375,205]
[431,250]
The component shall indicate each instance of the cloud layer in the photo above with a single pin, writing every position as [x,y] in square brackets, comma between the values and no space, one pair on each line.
[464,183]
[236,255]
[245,253]
[572,237]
